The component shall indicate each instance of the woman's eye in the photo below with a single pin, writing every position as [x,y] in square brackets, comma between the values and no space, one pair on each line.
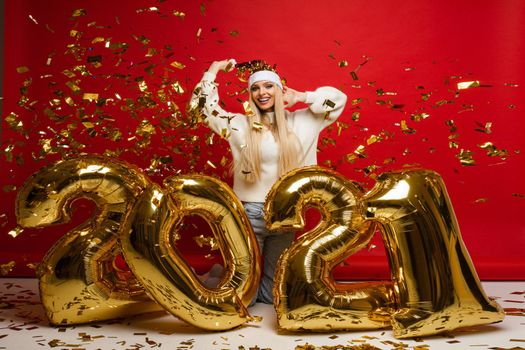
[269,86]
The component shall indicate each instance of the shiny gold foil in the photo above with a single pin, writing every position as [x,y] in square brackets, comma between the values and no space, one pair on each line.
[79,281]
[177,65]
[306,297]
[152,253]
[5,269]
[90,96]
[465,157]
[468,84]
[436,285]
[22,69]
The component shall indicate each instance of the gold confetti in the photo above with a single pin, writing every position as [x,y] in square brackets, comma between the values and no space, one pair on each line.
[420,116]
[493,151]
[98,39]
[373,139]
[329,103]
[481,200]
[406,129]
[177,87]
[6,268]
[79,12]
[90,96]
[206,241]
[69,101]
[151,52]
[22,69]
[143,86]
[468,84]
[33,19]
[257,126]
[465,158]
[14,122]
[179,14]
[452,126]
[32,266]
[177,65]
[88,125]
[234,33]
[247,109]
[343,63]
[15,232]
[73,86]
[487,128]
[75,33]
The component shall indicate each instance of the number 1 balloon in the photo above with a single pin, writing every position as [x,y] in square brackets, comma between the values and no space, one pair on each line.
[437,287]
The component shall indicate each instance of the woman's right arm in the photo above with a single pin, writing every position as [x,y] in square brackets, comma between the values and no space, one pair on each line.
[205,99]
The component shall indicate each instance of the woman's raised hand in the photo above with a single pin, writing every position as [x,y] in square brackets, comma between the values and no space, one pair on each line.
[224,65]
[291,97]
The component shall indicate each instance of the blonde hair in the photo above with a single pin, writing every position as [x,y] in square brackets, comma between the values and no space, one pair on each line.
[289,146]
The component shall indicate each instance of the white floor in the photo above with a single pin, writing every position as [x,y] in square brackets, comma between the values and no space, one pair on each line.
[23,325]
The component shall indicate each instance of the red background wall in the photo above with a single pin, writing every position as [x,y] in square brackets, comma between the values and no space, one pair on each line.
[408,57]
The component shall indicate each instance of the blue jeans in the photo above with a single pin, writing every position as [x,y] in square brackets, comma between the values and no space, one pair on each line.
[271,245]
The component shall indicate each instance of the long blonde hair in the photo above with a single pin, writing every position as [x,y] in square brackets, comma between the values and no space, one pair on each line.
[289,147]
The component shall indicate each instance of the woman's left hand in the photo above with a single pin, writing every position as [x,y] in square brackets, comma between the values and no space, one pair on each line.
[291,96]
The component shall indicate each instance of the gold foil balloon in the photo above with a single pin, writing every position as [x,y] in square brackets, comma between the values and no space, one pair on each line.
[437,287]
[305,295]
[219,206]
[78,278]
[151,251]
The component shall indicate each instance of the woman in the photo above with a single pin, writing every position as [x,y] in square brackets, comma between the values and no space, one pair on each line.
[265,144]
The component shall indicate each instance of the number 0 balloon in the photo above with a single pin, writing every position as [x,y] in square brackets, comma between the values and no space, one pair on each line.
[151,251]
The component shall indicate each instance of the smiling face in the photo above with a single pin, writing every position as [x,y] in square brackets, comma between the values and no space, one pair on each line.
[263,94]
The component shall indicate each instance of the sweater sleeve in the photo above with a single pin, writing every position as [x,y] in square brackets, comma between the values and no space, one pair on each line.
[326,103]
[205,101]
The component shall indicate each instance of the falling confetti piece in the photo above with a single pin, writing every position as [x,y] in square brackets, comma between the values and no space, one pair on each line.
[15,232]
[493,151]
[79,12]
[177,65]
[90,96]
[22,69]
[465,158]
[206,241]
[6,268]
[420,116]
[468,84]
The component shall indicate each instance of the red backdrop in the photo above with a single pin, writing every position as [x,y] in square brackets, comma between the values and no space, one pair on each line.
[405,107]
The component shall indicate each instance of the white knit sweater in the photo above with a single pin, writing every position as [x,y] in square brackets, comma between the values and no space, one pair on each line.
[306,124]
